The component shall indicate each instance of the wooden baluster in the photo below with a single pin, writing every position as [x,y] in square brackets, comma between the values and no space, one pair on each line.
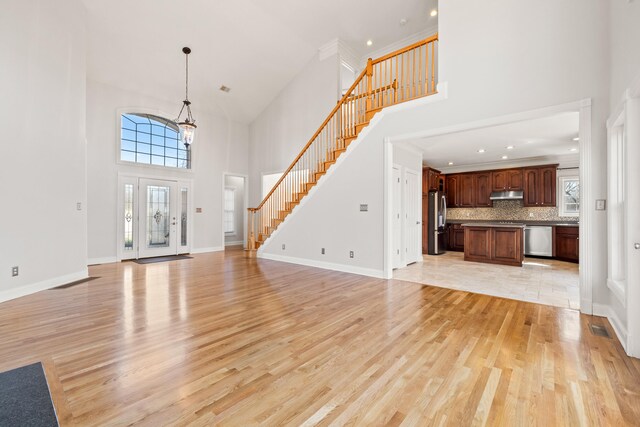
[369,74]
[433,67]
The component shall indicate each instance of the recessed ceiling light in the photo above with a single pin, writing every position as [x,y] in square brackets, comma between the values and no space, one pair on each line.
[369,42]
[450,163]
[434,12]
[510,147]
[573,149]
[505,157]
[225,89]
[577,138]
[481,150]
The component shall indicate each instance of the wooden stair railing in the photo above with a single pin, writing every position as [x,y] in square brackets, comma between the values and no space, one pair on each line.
[400,76]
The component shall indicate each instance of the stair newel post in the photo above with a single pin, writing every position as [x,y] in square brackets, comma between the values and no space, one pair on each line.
[251,238]
[369,74]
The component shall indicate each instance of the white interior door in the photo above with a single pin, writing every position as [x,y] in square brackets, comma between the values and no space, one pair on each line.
[158,218]
[413,218]
[397,218]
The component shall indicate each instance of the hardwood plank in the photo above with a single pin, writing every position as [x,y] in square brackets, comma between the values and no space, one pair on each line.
[227,340]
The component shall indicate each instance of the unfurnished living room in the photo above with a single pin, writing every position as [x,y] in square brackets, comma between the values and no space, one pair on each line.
[406,213]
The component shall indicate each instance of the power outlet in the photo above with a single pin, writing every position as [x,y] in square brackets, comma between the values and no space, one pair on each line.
[350,254]
[322,251]
[15,271]
[530,214]
[283,246]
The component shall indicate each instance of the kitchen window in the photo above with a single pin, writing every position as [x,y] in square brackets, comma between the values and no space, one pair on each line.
[569,196]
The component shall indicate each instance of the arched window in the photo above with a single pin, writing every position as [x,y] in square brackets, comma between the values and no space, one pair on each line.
[152,140]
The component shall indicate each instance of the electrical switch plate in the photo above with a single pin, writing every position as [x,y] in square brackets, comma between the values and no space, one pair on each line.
[601,204]
[15,271]
[350,254]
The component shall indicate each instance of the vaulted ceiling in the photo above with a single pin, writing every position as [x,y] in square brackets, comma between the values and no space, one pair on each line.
[255,47]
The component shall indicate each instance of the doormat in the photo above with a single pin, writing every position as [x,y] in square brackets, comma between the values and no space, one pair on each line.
[25,398]
[77,282]
[161,259]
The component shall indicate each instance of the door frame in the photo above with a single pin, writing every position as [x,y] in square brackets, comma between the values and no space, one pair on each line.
[245,202]
[587,180]
[124,176]
[405,221]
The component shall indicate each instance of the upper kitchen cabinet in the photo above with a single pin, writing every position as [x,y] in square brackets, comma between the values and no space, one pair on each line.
[507,180]
[482,189]
[432,180]
[540,186]
[452,186]
[467,193]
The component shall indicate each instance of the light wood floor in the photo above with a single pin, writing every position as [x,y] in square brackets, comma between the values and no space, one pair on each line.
[220,339]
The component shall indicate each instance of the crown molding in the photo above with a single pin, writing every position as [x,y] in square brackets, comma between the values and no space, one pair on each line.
[570,160]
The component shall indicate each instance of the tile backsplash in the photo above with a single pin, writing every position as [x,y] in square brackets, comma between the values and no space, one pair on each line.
[508,210]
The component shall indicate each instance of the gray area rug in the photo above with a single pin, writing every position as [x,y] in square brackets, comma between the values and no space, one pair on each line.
[25,399]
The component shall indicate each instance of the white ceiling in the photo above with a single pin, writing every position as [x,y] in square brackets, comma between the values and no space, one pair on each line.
[255,47]
[542,138]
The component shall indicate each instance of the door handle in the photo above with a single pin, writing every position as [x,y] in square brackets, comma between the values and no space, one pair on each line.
[637,245]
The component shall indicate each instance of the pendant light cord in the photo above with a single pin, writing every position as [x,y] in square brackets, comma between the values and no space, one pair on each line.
[186,88]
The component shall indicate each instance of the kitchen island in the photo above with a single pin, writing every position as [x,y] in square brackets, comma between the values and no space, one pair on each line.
[494,243]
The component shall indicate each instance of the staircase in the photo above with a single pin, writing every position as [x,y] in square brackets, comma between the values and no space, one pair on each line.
[401,76]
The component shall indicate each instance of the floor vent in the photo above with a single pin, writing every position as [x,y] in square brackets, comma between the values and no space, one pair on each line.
[600,331]
[77,282]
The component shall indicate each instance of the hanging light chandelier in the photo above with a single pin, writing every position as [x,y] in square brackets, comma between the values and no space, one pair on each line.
[188,126]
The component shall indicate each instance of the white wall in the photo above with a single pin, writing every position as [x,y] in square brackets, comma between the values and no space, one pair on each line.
[492,70]
[625,42]
[220,146]
[43,174]
[287,124]
[237,183]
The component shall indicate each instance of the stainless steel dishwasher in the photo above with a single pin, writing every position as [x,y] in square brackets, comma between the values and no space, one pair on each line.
[538,240]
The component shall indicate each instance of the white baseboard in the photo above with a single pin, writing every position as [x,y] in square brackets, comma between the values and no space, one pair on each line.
[104,260]
[43,285]
[619,328]
[205,250]
[236,243]
[378,274]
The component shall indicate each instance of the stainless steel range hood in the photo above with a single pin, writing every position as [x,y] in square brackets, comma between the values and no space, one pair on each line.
[507,195]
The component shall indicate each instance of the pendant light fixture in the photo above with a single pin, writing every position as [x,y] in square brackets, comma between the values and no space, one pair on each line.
[188,126]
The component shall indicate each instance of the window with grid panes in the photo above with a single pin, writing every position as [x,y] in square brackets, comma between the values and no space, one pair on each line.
[152,140]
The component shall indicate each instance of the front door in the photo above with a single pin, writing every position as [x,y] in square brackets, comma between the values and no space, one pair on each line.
[158,226]
[154,217]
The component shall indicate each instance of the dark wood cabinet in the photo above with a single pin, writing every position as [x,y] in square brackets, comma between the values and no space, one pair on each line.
[540,186]
[455,237]
[567,243]
[466,197]
[425,227]
[432,180]
[507,180]
[494,245]
[482,188]
[452,186]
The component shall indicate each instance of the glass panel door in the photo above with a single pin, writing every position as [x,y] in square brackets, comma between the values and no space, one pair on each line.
[158,218]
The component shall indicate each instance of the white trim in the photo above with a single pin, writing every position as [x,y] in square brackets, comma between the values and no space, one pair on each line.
[379,274]
[617,288]
[387,201]
[103,260]
[587,177]
[234,243]
[43,285]
[618,327]
[567,160]
[245,213]
[207,250]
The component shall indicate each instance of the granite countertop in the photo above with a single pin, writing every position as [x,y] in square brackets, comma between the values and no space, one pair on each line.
[516,222]
[493,224]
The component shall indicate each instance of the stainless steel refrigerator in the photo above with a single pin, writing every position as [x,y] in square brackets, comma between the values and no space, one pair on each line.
[436,222]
